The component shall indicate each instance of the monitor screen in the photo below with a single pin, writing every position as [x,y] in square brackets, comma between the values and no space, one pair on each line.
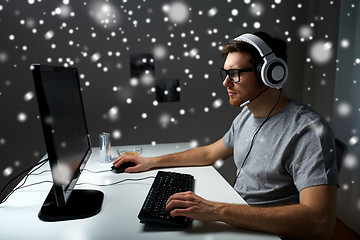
[64,126]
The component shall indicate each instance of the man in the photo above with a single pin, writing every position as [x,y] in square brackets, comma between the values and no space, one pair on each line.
[283,150]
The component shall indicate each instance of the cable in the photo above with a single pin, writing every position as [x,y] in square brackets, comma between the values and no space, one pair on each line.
[45,171]
[109,170]
[40,173]
[38,165]
[253,137]
[78,184]
[114,183]
[33,184]
[98,185]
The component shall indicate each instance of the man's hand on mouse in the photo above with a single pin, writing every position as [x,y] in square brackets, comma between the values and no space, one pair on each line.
[141,164]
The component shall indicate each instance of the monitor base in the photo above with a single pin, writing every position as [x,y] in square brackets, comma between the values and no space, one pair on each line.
[81,204]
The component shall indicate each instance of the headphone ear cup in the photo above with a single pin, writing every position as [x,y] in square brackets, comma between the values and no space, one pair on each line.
[258,73]
[275,73]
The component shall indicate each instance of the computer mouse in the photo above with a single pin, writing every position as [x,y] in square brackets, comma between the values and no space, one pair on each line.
[121,168]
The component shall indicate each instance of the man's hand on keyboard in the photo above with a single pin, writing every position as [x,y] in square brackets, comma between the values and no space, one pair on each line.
[190,205]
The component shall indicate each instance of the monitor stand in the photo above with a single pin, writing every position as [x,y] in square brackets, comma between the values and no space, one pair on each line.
[81,204]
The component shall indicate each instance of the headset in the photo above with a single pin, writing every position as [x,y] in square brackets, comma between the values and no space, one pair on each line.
[273,71]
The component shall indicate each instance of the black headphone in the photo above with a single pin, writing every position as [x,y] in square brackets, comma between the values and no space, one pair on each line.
[273,71]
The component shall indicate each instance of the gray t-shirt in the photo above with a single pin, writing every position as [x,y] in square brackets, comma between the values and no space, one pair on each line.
[293,150]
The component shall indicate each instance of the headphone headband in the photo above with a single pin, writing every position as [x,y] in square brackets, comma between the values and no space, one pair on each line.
[255,41]
[273,71]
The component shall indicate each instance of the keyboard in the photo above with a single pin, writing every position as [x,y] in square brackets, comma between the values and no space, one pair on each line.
[165,184]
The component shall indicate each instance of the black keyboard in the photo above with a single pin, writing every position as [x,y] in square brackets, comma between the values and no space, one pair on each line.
[165,184]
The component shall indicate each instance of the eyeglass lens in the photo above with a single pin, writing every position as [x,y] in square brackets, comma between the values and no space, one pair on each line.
[233,74]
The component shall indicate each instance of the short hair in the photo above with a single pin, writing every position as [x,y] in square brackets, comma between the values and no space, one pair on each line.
[278,46]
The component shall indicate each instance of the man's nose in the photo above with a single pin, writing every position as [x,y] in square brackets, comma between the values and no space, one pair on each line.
[227,82]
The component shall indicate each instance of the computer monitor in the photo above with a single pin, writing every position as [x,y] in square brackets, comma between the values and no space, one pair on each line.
[67,142]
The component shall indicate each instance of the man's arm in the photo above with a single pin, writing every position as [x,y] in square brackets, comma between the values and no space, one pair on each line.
[205,155]
[312,218]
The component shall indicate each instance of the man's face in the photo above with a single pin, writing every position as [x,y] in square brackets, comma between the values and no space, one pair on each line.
[248,86]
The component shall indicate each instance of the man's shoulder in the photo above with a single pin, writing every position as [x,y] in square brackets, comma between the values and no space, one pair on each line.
[303,113]
[302,118]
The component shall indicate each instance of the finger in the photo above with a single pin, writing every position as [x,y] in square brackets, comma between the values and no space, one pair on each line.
[132,169]
[176,196]
[116,161]
[176,204]
[183,199]
[181,196]
[123,159]
[180,212]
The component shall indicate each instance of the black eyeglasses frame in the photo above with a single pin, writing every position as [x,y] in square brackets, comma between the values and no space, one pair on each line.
[238,70]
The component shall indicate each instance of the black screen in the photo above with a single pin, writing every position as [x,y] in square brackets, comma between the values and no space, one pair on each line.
[65,130]
[67,123]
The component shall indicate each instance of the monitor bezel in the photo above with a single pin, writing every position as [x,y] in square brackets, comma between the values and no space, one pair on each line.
[62,191]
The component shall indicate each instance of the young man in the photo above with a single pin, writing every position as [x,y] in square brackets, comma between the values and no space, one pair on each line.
[283,150]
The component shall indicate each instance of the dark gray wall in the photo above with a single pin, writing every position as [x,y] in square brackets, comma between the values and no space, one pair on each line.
[346,117]
[37,32]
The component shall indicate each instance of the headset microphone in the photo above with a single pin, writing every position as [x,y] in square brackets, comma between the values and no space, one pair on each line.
[245,103]
[248,101]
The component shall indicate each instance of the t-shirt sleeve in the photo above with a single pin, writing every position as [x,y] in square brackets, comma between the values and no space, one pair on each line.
[230,135]
[228,138]
[312,155]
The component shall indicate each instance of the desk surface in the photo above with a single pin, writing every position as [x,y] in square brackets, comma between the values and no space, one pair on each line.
[122,202]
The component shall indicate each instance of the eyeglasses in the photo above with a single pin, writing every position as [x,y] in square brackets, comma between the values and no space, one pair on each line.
[234,74]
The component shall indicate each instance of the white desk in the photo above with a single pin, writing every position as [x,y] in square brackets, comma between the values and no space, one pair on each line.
[122,202]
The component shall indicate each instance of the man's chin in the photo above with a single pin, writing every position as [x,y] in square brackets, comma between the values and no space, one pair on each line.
[234,103]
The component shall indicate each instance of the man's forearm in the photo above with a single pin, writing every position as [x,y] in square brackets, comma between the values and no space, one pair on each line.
[297,221]
[312,218]
[199,156]
[192,157]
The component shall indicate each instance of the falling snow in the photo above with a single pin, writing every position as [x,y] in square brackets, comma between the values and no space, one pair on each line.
[184,38]
[321,52]
[177,12]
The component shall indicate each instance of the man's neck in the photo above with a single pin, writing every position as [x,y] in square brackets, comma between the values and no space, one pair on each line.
[262,106]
